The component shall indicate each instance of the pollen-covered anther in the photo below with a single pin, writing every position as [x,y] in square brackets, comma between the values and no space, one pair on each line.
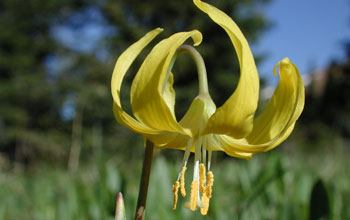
[202,177]
[210,184]
[182,182]
[205,200]
[194,195]
[176,186]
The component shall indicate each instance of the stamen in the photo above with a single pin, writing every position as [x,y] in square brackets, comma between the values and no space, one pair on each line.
[202,177]
[194,195]
[205,201]
[181,175]
[204,154]
[210,184]
[182,182]
[176,186]
[204,149]
[203,180]
[187,151]
[210,151]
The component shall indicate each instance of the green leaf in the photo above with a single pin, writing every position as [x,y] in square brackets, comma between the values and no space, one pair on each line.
[319,202]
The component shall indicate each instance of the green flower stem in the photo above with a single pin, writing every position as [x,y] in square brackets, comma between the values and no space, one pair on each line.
[146,171]
[202,71]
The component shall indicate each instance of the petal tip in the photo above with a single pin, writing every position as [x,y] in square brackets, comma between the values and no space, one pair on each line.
[284,63]
[285,60]
[197,38]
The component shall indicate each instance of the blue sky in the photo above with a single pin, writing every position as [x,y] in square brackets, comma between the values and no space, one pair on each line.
[309,32]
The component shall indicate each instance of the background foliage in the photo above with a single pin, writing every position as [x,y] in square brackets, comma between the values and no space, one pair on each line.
[63,156]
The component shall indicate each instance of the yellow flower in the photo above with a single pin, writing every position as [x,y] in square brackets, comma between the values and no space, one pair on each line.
[232,128]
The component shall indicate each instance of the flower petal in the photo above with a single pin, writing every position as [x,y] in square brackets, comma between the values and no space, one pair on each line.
[122,65]
[192,119]
[218,142]
[235,116]
[283,109]
[169,93]
[195,118]
[150,98]
[277,120]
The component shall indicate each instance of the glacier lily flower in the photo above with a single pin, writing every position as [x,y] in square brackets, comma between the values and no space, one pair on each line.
[232,128]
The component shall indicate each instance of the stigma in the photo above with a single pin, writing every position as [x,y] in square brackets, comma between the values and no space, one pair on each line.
[203,179]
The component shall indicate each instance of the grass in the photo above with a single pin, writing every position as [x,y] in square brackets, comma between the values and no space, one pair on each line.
[273,185]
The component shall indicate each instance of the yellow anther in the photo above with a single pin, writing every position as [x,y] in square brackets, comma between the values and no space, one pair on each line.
[202,177]
[194,195]
[205,200]
[210,184]
[182,182]
[176,186]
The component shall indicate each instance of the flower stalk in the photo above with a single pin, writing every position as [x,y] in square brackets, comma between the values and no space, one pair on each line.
[146,171]
[202,72]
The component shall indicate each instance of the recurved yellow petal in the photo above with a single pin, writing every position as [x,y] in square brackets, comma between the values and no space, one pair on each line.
[218,142]
[191,120]
[151,91]
[235,116]
[277,120]
[283,109]
[122,65]
[195,119]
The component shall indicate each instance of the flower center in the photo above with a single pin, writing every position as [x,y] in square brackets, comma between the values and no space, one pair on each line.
[203,178]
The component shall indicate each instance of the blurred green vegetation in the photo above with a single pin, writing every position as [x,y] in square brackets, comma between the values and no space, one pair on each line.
[272,186]
[63,156]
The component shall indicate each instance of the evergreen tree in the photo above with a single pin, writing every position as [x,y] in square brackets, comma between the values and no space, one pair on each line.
[57,57]
[29,115]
